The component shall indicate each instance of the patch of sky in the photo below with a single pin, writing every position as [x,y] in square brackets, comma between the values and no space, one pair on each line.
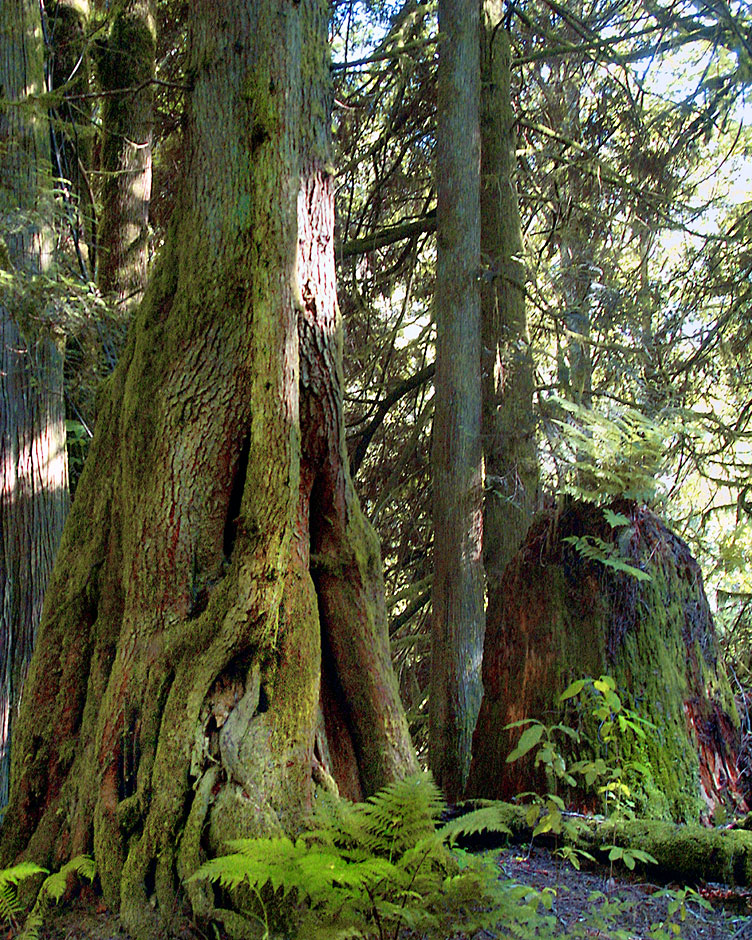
[358,27]
[690,78]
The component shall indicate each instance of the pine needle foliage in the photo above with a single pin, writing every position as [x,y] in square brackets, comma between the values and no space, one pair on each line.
[370,870]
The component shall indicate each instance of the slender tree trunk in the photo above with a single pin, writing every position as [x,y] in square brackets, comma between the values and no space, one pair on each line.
[126,68]
[214,639]
[577,238]
[33,467]
[71,124]
[458,586]
[511,465]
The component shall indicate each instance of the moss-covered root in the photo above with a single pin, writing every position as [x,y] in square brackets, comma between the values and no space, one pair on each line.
[687,854]
[683,853]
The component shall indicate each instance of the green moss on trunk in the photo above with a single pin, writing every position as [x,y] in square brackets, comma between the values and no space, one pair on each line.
[176,697]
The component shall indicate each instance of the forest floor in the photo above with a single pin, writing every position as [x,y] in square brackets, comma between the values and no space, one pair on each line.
[601,903]
[596,904]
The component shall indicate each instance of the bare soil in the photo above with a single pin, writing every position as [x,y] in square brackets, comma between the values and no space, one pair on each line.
[627,905]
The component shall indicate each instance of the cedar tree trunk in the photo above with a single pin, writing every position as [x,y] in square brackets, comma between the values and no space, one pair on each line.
[214,639]
[561,617]
[508,380]
[71,120]
[456,459]
[125,68]
[33,466]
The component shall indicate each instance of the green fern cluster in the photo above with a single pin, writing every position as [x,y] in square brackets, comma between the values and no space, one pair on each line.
[612,457]
[11,908]
[593,548]
[370,870]
[51,890]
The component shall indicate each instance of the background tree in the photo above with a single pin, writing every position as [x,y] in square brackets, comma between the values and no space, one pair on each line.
[214,637]
[458,618]
[33,467]
[507,370]
[126,65]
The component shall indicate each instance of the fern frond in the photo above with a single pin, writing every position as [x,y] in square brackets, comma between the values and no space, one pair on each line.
[617,455]
[54,885]
[255,862]
[486,819]
[10,907]
[20,872]
[52,889]
[401,813]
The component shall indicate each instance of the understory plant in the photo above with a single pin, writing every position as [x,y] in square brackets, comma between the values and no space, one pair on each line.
[12,910]
[370,870]
[617,725]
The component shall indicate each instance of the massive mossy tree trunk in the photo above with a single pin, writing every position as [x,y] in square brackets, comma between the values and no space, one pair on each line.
[561,617]
[214,638]
[456,458]
[33,466]
[507,376]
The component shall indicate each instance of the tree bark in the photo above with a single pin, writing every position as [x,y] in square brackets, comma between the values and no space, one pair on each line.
[458,586]
[215,637]
[508,379]
[33,466]
[126,67]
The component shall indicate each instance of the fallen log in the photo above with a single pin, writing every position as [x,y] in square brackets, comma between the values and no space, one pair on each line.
[687,853]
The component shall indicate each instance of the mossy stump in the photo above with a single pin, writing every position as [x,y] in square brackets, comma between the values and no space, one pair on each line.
[560,617]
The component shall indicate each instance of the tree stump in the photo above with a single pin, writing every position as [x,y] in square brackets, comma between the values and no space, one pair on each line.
[562,616]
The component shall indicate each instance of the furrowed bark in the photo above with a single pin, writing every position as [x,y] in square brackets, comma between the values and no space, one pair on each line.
[511,467]
[33,465]
[214,639]
[125,67]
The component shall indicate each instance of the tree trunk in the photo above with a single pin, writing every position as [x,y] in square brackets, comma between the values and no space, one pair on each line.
[214,638]
[71,120]
[562,617]
[508,380]
[33,467]
[126,67]
[458,585]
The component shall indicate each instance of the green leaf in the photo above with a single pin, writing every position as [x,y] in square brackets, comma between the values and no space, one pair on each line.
[574,688]
[614,519]
[528,739]
[604,684]
[569,732]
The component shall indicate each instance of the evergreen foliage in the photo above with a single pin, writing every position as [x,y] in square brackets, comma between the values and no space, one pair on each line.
[617,456]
